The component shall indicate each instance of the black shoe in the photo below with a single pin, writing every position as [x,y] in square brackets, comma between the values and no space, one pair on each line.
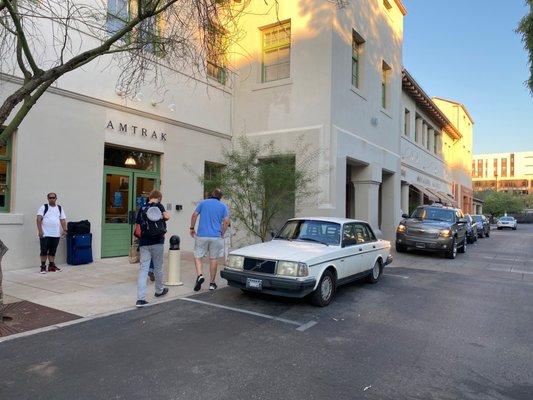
[199,280]
[151,276]
[164,292]
[141,303]
[43,269]
[212,286]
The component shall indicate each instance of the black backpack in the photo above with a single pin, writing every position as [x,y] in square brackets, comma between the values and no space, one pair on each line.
[153,229]
[46,210]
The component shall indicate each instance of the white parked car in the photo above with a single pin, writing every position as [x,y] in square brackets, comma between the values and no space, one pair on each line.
[507,222]
[309,256]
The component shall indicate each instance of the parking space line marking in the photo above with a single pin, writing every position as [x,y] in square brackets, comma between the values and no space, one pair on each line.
[398,276]
[301,326]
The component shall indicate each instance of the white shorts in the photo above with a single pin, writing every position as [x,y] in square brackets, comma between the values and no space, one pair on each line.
[212,246]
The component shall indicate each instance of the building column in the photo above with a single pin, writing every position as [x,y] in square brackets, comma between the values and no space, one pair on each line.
[405,198]
[424,135]
[367,200]
[431,140]
[418,130]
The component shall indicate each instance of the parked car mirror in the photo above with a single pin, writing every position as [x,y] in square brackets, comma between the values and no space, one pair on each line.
[405,215]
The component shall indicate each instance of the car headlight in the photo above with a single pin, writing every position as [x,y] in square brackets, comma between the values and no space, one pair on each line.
[401,228]
[292,268]
[445,232]
[236,262]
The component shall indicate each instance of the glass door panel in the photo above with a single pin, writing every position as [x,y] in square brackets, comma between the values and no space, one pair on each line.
[116,232]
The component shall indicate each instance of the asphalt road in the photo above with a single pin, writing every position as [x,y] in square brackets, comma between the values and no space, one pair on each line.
[430,329]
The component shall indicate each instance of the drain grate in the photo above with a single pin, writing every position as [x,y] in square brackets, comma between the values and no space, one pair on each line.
[24,316]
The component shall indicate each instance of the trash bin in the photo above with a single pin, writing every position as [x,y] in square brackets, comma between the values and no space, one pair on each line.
[79,243]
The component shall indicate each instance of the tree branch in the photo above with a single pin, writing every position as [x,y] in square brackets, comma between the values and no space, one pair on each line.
[22,36]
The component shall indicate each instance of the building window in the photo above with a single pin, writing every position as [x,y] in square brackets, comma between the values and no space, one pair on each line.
[118,14]
[512,165]
[406,122]
[357,52]
[486,167]
[212,175]
[276,43]
[387,5]
[5,173]
[504,167]
[479,168]
[385,72]
[473,168]
[495,167]
[215,54]
[418,128]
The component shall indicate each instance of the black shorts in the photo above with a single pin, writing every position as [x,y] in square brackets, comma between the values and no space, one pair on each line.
[49,246]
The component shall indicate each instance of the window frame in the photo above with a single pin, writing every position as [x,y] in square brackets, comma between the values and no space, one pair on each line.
[215,67]
[8,160]
[357,54]
[385,78]
[285,25]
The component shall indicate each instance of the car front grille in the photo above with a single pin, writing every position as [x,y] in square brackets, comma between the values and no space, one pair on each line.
[258,265]
[422,233]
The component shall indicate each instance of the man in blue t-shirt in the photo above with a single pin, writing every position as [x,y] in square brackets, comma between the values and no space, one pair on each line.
[214,220]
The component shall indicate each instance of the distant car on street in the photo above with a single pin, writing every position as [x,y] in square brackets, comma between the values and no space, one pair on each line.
[471,229]
[483,225]
[433,228]
[309,256]
[507,222]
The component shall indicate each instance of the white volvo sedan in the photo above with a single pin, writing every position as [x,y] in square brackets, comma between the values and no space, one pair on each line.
[309,256]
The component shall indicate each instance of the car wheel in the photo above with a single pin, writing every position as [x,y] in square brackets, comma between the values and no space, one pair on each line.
[499,228]
[452,253]
[325,290]
[375,273]
[462,249]
[488,233]
[400,248]
[482,234]
[514,229]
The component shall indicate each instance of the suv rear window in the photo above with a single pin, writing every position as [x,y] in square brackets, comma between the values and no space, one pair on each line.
[434,214]
[477,218]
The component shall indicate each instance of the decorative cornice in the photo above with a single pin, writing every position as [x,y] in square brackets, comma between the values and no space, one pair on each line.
[422,100]
[119,107]
[401,7]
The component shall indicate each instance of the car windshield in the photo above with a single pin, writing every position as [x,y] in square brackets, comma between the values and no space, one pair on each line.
[506,219]
[477,218]
[434,214]
[324,232]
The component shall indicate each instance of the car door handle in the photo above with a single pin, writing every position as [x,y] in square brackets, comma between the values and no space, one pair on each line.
[373,247]
[360,249]
[342,260]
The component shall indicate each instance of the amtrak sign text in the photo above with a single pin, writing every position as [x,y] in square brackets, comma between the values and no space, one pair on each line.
[136,130]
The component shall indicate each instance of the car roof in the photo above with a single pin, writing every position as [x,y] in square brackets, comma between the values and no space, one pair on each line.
[328,219]
[437,206]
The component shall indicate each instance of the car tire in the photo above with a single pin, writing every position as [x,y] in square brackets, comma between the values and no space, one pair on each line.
[482,234]
[400,248]
[325,290]
[462,249]
[514,229]
[375,273]
[452,253]
[499,228]
[487,234]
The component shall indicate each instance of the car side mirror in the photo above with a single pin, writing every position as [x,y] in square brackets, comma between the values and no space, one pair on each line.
[405,215]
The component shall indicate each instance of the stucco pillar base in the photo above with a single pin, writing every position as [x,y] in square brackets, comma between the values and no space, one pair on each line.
[405,198]
[367,202]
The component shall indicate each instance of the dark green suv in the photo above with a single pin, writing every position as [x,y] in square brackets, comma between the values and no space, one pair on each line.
[433,228]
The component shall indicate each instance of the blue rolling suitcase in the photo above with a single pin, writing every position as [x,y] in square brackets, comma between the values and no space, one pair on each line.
[79,249]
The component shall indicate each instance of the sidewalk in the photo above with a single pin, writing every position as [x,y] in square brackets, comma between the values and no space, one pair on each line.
[101,287]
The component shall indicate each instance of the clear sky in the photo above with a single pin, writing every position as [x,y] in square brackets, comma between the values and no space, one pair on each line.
[466,50]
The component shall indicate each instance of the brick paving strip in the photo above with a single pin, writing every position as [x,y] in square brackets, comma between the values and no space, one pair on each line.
[23,316]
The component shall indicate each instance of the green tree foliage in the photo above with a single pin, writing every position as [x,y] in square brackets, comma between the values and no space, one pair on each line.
[262,184]
[525,29]
[499,203]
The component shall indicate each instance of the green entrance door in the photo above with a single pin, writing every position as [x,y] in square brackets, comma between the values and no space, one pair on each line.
[125,191]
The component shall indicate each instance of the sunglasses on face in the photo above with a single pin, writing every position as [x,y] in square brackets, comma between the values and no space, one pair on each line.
[51,198]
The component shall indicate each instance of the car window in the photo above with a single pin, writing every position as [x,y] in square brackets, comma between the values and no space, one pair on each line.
[506,219]
[370,234]
[348,235]
[311,230]
[433,213]
[477,218]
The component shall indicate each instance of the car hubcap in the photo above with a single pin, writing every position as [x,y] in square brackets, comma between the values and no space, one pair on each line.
[375,271]
[327,287]
[454,248]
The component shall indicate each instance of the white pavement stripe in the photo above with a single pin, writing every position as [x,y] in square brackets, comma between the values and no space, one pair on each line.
[301,326]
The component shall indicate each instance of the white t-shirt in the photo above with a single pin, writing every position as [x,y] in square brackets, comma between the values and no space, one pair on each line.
[51,224]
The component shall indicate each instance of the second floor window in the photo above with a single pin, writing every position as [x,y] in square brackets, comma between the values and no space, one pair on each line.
[215,55]
[276,43]
[118,14]
[406,122]
[357,50]
[385,72]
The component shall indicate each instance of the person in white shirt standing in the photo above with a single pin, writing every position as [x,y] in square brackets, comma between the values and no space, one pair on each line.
[51,219]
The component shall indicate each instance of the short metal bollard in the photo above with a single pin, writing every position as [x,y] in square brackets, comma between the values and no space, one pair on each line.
[174,262]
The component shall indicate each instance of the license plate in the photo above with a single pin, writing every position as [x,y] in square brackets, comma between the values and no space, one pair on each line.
[420,245]
[256,284]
